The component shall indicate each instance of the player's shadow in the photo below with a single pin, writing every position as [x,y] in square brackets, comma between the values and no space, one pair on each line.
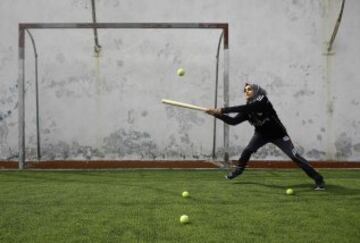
[341,190]
[262,184]
[330,188]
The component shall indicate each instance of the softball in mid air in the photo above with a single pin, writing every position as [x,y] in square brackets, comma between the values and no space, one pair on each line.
[180,72]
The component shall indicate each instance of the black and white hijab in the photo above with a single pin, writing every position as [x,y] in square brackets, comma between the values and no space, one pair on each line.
[257,91]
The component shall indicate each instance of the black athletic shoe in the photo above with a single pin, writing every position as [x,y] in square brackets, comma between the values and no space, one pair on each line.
[238,170]
[319,186]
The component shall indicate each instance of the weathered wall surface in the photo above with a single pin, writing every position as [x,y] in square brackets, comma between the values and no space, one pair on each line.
[108,107]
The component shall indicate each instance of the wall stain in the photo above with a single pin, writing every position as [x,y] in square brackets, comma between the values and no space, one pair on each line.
[130,142]
[80,86]
[6,57]
[60,58]
[4,147]
[186,119]
[144,113]
[85,4]
[4,115]
[131,116]
[304,92]
[343,146]
[120,63]
[355,102]
[62,151]
[315,154]
[357,147]
[109,3]
[170,53]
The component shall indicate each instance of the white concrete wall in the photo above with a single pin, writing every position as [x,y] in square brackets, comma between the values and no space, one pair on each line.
[108,107]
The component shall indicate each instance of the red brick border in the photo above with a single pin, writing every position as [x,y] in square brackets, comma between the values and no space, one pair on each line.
[171,164]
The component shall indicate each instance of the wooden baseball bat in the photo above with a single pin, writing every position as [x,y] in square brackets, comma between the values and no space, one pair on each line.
[183,105]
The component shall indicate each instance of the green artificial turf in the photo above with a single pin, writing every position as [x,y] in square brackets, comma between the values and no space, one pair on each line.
[145,206]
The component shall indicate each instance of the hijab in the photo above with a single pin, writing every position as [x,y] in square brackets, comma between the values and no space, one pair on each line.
[257,91]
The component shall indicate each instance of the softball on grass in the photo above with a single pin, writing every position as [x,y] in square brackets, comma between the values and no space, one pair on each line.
[184,219]
[185,194]
[289,191]
[181,72]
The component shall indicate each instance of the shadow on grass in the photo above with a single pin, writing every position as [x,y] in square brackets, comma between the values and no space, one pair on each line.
[330,188]
[257,183]
[281,188]
[341,190]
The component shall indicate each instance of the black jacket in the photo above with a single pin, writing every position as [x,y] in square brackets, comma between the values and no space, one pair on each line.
[260,113]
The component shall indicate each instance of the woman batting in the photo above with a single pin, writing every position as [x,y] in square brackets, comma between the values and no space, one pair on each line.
[259,111]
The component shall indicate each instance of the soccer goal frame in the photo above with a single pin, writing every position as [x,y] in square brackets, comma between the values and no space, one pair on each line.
[21,62]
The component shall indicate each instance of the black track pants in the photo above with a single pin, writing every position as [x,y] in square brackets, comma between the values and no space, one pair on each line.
[286,146]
